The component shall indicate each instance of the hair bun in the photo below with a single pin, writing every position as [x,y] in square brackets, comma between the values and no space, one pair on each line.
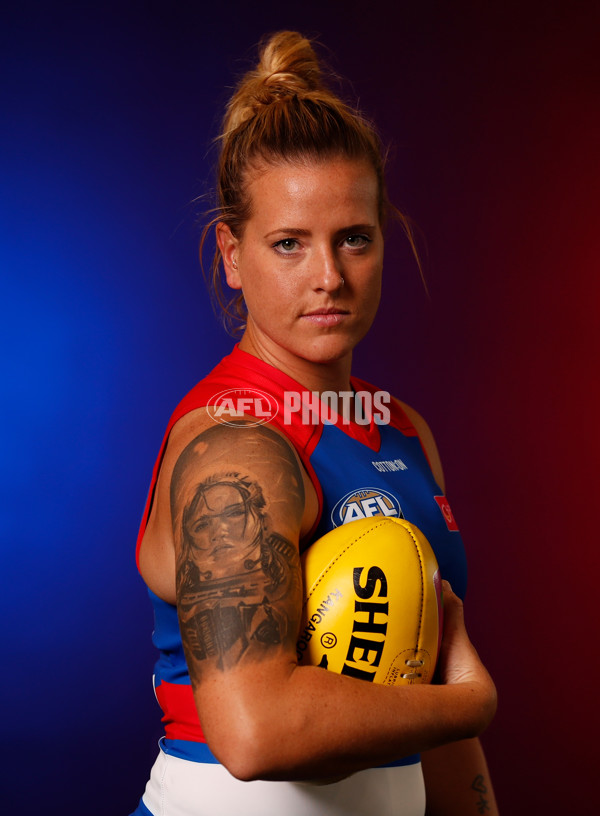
[288,66]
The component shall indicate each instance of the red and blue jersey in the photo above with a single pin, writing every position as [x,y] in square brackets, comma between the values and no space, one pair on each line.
[358,470]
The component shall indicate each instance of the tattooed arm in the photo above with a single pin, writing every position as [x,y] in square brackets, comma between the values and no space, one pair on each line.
[236,505]
[237,498]
[457,781]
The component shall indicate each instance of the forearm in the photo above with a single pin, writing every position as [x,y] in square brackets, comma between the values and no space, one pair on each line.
[457,781]
[314,724]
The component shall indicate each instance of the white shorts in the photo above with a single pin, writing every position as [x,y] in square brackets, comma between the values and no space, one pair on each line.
[178,787]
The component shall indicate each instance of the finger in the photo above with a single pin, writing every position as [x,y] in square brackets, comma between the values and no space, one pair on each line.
[453,608]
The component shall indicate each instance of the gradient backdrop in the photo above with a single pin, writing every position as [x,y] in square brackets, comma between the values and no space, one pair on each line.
[108,112]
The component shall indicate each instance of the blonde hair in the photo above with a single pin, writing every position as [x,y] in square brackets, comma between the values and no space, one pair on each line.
[283,112]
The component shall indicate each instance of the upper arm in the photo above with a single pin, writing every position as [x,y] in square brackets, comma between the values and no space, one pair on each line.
[428,443]
[237,501]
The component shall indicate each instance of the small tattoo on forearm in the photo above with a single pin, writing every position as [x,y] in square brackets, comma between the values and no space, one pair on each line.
[480,787]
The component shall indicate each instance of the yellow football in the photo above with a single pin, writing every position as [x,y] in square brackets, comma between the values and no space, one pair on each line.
[372,602]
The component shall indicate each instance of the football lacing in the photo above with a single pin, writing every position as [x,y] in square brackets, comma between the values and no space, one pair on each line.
[413,664]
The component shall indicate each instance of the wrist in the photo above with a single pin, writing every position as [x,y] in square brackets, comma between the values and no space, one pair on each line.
[474,708]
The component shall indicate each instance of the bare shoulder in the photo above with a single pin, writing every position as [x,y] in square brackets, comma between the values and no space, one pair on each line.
[240,455]
[206,459]
[427,440]
[156,555]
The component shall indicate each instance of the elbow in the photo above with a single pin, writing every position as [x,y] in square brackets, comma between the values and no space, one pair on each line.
[241,760]
[250,753]
[244,768]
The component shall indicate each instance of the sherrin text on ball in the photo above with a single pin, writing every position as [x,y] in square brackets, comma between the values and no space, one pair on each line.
[372,603]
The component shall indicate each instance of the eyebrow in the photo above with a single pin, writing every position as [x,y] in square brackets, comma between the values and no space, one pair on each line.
[302,232]
[288,231]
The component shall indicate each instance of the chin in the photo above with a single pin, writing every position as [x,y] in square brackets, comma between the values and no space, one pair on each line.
[328,354]
[333,348]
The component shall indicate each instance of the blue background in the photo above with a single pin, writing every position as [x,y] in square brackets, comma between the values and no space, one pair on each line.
[108,112]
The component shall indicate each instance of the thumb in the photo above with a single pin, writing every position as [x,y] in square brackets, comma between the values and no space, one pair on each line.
[454,615]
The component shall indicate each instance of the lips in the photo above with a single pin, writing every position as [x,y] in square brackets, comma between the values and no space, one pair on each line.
[331,310]
[219,548]
[326,317]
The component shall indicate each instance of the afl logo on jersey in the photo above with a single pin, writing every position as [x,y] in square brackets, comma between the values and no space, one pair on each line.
[365,502]
[250,404]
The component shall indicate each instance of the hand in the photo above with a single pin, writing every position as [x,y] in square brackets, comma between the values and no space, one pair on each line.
[460,663]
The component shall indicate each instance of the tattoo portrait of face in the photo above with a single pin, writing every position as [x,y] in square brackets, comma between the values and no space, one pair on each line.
[223,527]
[235,574]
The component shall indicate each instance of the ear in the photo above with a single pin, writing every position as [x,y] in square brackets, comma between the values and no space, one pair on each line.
[228,245]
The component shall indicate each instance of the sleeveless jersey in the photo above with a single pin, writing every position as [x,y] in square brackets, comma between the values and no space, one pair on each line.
[358,470]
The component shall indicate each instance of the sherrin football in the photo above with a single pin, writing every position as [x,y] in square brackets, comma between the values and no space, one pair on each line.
[372,603]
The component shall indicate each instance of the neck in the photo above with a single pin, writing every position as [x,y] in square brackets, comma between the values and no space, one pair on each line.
[332,375]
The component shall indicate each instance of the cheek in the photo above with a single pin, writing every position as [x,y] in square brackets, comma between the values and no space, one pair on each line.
[267,292]
[372,290]
[201,543]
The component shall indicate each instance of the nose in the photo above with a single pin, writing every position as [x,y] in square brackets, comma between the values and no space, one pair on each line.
[217,528]
[327,275]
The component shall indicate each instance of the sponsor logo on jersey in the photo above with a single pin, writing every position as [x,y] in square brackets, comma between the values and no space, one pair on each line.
[389,465]
[253,406]
[365,502]
[444,506]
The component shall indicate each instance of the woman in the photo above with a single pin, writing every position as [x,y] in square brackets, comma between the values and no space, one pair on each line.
[234,499]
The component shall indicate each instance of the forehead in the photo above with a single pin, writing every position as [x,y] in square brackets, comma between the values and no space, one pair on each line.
[293,192]
[217,497]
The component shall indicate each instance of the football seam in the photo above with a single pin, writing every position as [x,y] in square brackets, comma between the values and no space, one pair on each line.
[422,604]
[341,553]
[422,583]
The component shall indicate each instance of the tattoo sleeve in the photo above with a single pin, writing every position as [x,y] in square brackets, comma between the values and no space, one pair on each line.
[236,492]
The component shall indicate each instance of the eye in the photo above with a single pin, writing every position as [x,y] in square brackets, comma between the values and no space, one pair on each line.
[197,525]
[286,246]
[234,511]
[357,241]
